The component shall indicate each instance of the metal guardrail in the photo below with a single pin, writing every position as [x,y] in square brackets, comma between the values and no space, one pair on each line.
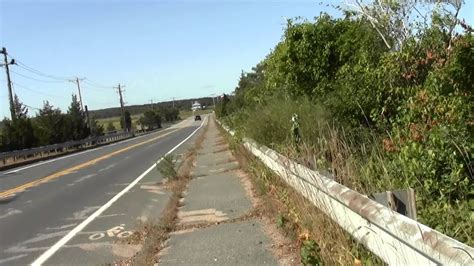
[394,238]
[12,157]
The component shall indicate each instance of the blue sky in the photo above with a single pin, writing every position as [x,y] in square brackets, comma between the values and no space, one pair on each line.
[157,49]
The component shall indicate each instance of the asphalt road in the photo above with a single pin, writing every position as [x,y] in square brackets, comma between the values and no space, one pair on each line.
[53,197]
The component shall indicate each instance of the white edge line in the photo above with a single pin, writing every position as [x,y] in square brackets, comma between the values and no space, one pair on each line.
[50,252]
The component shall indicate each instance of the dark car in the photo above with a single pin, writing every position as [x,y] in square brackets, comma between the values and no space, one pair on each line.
[196,118]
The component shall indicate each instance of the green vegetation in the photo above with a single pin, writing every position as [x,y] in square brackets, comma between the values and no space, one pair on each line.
[318,238]
[135,110]
[167,167]
[110,126]
[49,126]
[377,109]
[152,118]
[310,253]
[116,122]
[128,121]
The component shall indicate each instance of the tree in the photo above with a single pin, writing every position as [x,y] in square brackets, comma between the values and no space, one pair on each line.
[21,111]
[249,86]
[18,134]
[402,103]
[151,120]
[397,21]
[50,125]
[76,121]
[223,106]
[110,126]
[96,128]
[170,114]
[128,121]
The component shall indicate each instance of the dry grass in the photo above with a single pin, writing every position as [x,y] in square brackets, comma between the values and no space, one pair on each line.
[116,121]
[298,218]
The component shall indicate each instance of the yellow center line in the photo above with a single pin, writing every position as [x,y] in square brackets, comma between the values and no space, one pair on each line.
[13,191]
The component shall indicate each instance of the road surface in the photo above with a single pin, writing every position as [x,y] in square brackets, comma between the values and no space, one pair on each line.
[41,203]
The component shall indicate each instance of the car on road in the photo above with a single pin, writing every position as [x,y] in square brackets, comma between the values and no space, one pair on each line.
[197,117]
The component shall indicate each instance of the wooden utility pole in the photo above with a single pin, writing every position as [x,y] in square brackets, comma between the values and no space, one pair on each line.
[77,81]
[213,102]
[9,82]
[122,108]
[173,102]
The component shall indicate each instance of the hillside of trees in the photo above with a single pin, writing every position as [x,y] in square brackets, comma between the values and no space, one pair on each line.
[384,102]
[140,109]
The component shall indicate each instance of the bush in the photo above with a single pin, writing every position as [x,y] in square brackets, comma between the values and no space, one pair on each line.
[167,167]
[376,119]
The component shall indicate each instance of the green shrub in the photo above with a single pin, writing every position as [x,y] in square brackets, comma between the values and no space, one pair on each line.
[375,119]
[310,253]
[167,167]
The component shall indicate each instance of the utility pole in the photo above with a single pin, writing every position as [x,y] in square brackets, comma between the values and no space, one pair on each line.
[213,103]
[77,80]
[9,82]
[122,109]
[151,102]
[173,102]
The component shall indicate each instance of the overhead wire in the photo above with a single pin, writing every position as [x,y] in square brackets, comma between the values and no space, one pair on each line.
[16,84]
[88,87]
[96,85]
[37,72]
[35,79]
[48,78]
[31,107]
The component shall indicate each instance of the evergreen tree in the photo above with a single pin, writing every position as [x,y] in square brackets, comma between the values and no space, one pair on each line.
[128,121]
[21,111]
[76,121]
[50,125]
[96,128]
[18,134]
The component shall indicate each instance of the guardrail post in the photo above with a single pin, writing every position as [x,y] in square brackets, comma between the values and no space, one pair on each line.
[401,201]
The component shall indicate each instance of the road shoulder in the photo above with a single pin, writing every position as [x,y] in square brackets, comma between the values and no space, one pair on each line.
[218,220]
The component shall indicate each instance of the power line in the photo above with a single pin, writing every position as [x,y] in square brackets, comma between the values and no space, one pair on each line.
[39,80]
[87,86]
[16,84]
[97,85]
[56,79]
[37,72]
[102,103]
[31,107]
[48,78]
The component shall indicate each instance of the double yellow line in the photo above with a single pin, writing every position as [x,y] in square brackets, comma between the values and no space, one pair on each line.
[11,192]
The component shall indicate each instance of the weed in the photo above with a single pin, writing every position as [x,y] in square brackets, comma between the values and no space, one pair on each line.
[167,167]
[310,253]
[280,220]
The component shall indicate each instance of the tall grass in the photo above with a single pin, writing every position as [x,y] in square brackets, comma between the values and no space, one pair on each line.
[320,239]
